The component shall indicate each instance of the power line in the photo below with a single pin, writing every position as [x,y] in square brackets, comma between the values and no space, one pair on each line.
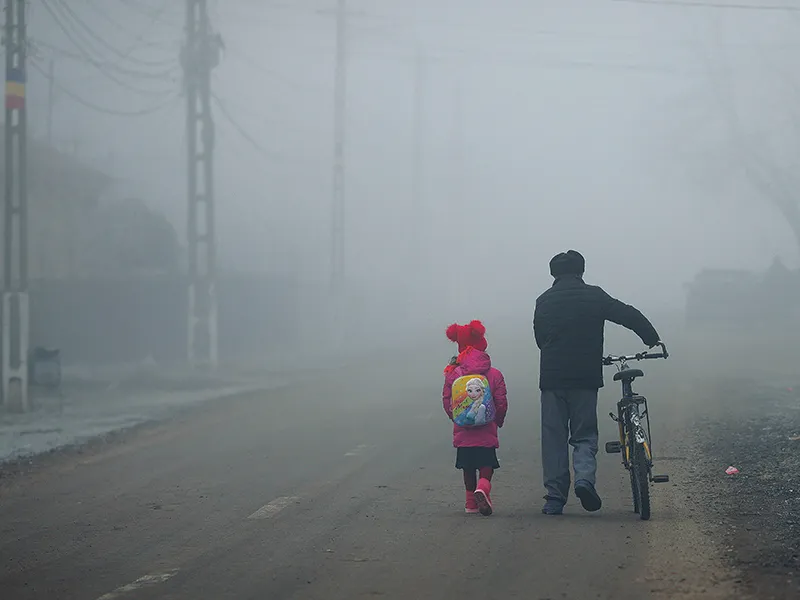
[74,36]
[724,5]
[521,30]
[170,74]
[254,64]
[509,58]
[148,11]
[102,109]
[90,32]
[268,119]
[241,130]
[139,37]
[92,61]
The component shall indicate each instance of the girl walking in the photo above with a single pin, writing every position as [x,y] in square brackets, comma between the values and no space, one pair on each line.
[474,397]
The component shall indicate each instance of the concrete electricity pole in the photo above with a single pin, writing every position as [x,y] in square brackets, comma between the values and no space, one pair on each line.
[15,235]
[458,137]
[458,173]
[340,130]
[51,98]
[201,54]
[418,253]
[419,238]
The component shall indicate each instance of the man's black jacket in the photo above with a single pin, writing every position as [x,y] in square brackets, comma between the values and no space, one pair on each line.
[568,324]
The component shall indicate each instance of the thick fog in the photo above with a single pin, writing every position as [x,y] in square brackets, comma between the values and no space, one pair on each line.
[625,130]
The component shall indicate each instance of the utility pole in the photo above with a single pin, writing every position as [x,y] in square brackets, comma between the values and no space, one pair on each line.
[15,313]
[340,130]
[419,238]
[458,138]
[418,251]
[201,54]
[51,98]
[458,174]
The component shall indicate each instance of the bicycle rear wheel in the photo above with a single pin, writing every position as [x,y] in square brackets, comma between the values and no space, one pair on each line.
[640,480]
[634,489]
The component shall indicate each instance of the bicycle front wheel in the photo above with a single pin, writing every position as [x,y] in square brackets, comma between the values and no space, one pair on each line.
[640,481]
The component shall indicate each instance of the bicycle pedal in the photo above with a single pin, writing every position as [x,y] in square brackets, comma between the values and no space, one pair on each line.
[660,478]
[613,448]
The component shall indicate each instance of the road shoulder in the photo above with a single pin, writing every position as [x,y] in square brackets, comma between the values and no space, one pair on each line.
[755,510]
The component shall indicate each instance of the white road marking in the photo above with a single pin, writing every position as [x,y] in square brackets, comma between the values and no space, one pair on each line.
[357,450]
[273,508]
[146,581]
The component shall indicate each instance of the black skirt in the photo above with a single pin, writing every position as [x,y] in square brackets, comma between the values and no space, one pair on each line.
[472,459]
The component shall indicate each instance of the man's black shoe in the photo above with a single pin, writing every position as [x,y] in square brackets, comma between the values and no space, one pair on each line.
[590,499]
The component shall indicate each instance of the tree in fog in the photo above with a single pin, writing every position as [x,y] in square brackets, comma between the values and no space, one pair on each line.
[761,152]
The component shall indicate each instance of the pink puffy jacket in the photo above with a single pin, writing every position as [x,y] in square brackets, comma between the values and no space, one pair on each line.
[474,361]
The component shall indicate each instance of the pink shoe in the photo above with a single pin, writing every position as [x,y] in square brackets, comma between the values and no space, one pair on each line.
[471,506]
[482,497]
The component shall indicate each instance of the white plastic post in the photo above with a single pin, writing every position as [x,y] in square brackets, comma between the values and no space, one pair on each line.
[15,377]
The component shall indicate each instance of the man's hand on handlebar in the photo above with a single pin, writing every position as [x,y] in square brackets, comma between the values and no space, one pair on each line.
[609,360]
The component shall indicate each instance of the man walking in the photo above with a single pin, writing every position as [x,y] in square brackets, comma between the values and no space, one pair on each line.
[568,324]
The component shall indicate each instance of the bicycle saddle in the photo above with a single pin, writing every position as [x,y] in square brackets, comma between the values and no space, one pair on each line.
[628,374]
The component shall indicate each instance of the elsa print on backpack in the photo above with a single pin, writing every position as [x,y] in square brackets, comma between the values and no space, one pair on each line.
[472,402]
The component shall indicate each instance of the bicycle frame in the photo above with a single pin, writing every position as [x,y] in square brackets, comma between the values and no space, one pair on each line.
[629,419]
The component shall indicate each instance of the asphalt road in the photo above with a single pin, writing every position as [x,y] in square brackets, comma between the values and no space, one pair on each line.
[344,488]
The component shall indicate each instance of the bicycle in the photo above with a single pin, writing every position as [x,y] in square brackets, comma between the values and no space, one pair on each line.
[634,439]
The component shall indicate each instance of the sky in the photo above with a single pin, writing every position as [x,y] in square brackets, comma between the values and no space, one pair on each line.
[600,125]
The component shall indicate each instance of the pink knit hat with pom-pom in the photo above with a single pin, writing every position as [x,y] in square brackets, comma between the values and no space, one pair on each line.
[468,335]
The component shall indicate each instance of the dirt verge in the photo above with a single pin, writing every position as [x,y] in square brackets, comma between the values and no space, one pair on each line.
[754,512]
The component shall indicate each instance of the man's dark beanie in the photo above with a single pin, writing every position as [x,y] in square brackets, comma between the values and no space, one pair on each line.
[567,263]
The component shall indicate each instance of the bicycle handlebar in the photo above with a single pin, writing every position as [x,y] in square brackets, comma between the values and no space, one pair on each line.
[609,360]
